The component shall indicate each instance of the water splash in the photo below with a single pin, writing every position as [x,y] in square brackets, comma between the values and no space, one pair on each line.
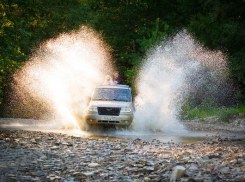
[61,75]
[56,82]
[170,72]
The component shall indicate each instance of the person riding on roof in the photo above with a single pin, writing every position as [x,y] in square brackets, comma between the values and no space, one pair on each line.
[117,79]
[108,80]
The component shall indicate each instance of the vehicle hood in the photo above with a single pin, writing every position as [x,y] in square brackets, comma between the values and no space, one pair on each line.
[109,104]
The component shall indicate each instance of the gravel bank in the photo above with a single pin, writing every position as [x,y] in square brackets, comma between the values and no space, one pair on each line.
[37,156]
[236,125]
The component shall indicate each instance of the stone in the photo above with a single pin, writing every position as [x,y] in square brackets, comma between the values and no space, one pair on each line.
[54,148]
[225,170]
[93,165]
[57,143]
[146,179]
[118,160]
[193,167]
[148,169]
[242,168]
[88,174]
[240,178]
[178,172]
[191,180]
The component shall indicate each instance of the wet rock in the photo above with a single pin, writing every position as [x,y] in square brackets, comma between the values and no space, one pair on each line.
[48,155]
[103,160]
[242,168]
[178,172]
[69,144]
[147,179]
[70,179]
[25,178]
[193,167]
[54,148]
[149,163]
[104,175]
[240,178]
[93,165]
[191,180]
[110,168]
[57,143]
[11,176]
[148,169]
[225,170]
[213,156]
[129,169]
[88,174]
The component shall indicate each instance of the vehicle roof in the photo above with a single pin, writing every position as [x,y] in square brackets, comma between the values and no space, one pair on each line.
[114,86]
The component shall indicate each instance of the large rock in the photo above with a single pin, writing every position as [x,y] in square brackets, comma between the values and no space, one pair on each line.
[178,172]
[93,165]
[88,174]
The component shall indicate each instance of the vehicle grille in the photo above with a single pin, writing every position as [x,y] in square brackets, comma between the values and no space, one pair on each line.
[102,121]
[113,111]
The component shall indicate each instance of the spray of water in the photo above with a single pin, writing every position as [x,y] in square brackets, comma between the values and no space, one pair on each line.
[170,71]
[61,75]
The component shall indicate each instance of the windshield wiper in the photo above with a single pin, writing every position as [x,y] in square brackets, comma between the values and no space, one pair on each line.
[103,99]
[120,100]
[110,99]
[98,99]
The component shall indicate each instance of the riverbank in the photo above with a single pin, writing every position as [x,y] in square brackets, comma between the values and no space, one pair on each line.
[236,124]
[38,156]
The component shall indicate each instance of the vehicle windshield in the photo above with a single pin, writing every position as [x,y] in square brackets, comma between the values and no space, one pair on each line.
[115,94]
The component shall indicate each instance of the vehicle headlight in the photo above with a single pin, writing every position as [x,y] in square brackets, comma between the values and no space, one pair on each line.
[125,109]
[92,109]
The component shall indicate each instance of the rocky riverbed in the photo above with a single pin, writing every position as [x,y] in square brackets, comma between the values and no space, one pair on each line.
[39,156]
[235,125]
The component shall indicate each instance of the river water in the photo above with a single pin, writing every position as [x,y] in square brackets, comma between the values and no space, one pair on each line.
[112,133]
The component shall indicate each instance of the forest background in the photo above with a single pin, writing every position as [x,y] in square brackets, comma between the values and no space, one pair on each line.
[130,28]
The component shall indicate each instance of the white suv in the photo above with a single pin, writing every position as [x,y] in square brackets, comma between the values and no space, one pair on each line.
[111,105]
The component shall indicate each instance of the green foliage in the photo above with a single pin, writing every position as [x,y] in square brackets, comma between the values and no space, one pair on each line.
[220,24]
[130,31]
[131,28]
[25,24]
[154,36]
[204,111]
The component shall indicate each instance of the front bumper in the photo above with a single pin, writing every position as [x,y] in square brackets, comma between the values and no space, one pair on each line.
[122,119]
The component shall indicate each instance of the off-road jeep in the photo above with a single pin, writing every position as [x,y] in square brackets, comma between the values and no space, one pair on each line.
[111,105]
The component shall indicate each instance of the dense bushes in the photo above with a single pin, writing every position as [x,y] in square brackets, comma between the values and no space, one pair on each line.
[224,114]
[129,27]
[25,24]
